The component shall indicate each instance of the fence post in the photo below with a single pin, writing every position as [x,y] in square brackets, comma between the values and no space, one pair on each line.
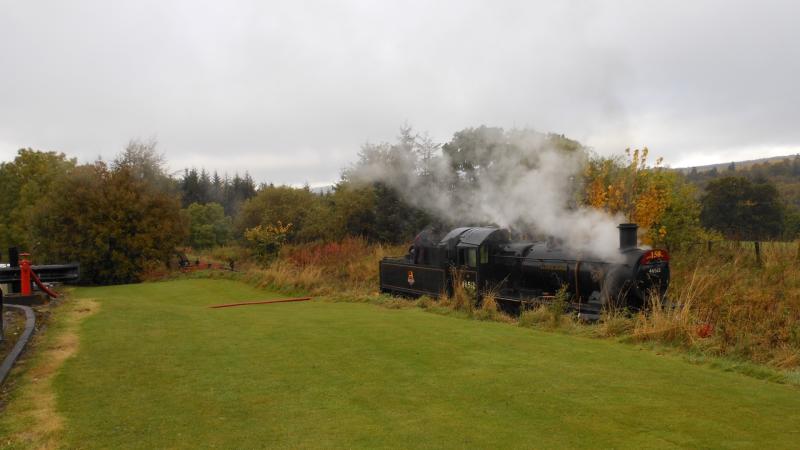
[709,246]
[758,253]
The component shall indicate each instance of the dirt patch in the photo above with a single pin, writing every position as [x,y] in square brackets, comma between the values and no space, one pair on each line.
[33,419]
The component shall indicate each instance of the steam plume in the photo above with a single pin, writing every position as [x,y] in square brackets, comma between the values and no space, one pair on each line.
[518,179]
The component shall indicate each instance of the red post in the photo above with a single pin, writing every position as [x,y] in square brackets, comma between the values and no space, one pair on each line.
[25,274]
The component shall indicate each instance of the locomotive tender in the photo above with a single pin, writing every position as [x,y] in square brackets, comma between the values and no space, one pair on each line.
[523,273]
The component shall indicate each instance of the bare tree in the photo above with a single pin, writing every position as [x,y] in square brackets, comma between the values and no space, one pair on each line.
[143,160]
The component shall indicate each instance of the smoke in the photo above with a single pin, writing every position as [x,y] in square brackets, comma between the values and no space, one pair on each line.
[519,179]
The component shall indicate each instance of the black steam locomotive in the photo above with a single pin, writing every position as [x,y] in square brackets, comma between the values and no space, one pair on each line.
[522,273]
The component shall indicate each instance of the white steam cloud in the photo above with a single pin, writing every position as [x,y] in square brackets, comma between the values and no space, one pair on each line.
[520,179]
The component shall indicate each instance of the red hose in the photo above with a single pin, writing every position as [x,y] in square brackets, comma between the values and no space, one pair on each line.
[283,300]
[42,286]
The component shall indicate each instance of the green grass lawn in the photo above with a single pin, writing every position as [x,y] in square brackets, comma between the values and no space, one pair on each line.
[156,368]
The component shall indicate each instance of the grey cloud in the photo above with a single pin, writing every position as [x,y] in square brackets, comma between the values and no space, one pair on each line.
[263,83]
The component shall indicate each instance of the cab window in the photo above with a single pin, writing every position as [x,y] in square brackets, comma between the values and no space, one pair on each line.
[484,254]
[472,257]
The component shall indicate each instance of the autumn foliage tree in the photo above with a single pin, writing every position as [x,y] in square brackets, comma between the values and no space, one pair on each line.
[113,221]
[657,199]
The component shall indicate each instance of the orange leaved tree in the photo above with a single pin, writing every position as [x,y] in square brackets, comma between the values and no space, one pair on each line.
[655,197]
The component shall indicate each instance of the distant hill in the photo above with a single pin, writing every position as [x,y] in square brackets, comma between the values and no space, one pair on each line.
[781,171]
[739,164]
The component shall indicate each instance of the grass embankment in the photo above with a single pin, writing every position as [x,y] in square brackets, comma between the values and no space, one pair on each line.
[731,306]
[156,368]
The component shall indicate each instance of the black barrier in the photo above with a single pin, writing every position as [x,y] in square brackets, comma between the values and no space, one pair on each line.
[62,273]
[30,326]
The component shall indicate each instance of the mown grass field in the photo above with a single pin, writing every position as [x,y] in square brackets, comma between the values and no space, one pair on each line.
[155,368]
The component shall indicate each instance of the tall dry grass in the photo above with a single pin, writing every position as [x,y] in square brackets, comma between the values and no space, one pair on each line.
[331,268]
[462,298]
[287,277]
[352,259]
[726,302]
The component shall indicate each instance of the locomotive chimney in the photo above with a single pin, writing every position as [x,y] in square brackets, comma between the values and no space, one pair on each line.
[627,235]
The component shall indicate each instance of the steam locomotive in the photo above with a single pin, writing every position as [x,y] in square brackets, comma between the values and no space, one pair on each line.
[521,273]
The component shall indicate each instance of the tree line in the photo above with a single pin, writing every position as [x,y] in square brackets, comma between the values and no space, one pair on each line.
[121,217]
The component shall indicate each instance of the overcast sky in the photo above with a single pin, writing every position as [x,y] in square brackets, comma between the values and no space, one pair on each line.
[290,90]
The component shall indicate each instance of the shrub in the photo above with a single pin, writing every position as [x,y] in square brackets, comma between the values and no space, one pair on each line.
[266,241]
[537,316]
[227,254]
[425,302]
[614,323]
[559,304]
[489,303]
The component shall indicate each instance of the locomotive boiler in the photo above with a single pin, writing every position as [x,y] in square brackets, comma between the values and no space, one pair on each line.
[520,273]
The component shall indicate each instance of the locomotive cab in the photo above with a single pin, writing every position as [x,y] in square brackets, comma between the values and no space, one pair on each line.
[473,249]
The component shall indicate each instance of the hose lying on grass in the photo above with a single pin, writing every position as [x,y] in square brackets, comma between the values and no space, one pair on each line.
[263,302]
